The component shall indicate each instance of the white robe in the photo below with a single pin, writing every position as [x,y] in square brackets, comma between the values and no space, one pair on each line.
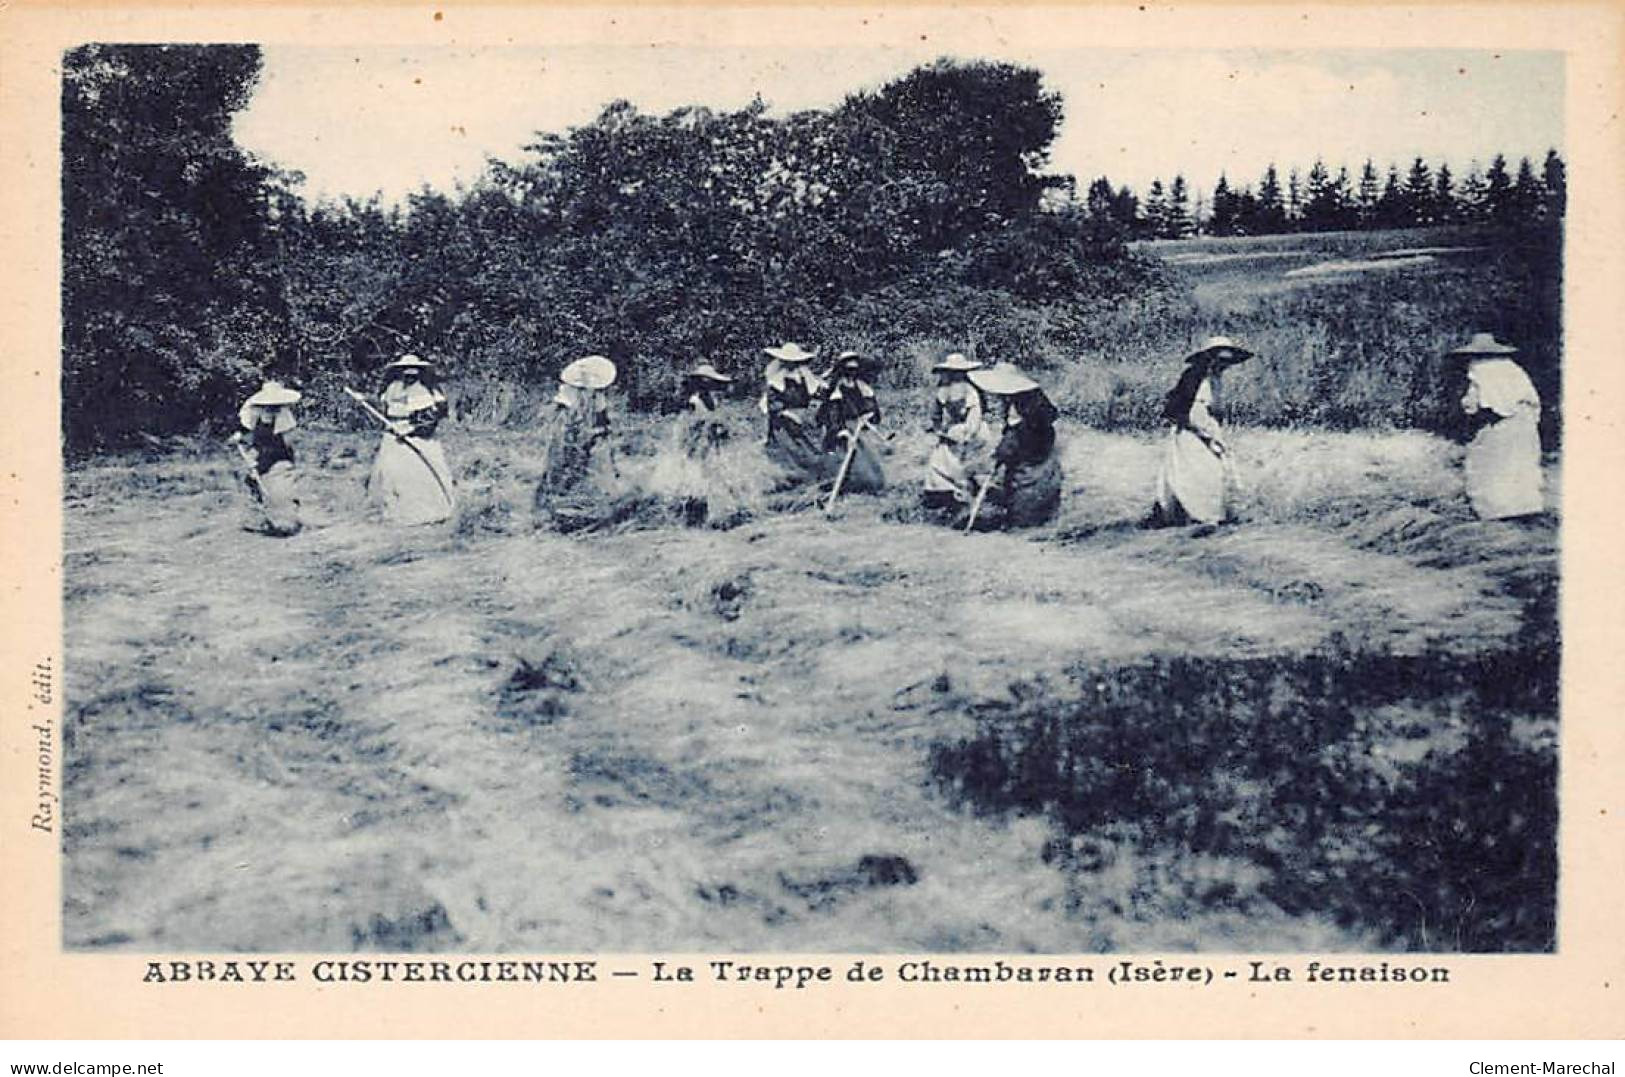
[1503,460]
[410,478]
[1192,481]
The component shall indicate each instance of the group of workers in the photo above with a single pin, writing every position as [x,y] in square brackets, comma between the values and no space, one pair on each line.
[995,462]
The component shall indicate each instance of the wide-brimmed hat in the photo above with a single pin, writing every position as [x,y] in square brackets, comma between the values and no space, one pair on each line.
[589,372]
[409,361]
[957,361]
[1221,351]
[707,372]
[1484,344]
[1001,379]
[849,360]
[791,352]
[273,394]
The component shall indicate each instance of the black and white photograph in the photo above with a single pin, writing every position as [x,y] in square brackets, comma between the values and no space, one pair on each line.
[750,499]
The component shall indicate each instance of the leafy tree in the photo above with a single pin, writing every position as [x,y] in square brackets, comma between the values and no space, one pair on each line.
[981,131]
[168,307]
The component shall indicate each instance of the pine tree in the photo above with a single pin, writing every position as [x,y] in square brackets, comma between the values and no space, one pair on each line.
[1177,224]
[1444,195]
[1472,196]
[1294,201]
[1528,194]
[1222,220]
[1271,215]
[1554,176]
[1391,203]
[1366,201]
[1247,214]
[1418,195]
[1346,214]
[1498,192]
[1156,210]
[1319,207]
[1098,200]
[1126,209]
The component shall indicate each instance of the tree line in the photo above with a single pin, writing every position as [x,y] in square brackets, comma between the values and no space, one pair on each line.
[192,269]
[900,221]
[1320,201]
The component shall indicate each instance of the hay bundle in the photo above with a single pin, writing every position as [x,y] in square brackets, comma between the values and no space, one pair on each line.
[718,486]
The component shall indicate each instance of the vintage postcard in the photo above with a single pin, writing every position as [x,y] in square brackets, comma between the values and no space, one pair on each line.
[538,521]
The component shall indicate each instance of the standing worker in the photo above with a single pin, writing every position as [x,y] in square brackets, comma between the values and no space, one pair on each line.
[1024,487]
[1192,484]
[848,417]
[956,420]
[265,418]
[410,478]
[1503,458]
[789,401]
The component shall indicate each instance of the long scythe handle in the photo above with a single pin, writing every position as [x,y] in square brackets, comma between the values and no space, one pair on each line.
[976,506]
[251,476]
[846,463]
[404,440]
[365,403]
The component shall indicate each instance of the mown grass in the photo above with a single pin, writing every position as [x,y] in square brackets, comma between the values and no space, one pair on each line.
[714,716]
[753,732]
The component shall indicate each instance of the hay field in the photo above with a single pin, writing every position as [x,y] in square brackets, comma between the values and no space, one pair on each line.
[1331,726]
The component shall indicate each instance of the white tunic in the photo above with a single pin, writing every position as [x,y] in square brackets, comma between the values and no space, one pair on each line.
[1503,459]
[1191,482]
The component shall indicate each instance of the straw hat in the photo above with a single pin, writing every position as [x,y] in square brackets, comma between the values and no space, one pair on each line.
[1220,350]
[790,352]
[707,372]
[849,360]
[1484,344]
[1001,379]
[957,361]
[589,372]
[273,394]
[409,361]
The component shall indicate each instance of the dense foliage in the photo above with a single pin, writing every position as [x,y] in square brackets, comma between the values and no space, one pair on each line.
[657,240]
[169,298]
[906,221]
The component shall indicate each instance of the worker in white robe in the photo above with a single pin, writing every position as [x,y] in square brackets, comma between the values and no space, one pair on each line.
[1503,459]
[1193,482]
[962,435]
[266,418]
[411,480]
